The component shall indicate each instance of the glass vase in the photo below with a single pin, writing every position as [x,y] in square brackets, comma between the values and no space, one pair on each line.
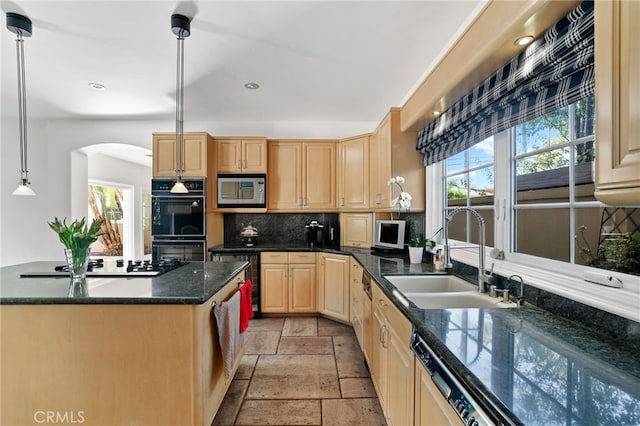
[77,261]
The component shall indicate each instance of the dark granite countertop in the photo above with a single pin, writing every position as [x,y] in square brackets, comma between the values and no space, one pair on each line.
[534,367]
[192,283]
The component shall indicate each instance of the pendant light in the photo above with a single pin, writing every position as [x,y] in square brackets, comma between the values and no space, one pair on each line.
[21,27]
[181,27]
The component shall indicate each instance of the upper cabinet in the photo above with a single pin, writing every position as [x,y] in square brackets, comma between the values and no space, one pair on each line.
[353,180]
[617,102]
[302,176]
[196,149]
[241,155]
[393,153]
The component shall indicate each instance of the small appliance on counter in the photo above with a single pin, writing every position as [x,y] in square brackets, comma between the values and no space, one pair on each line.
[249,235]
[332,236]
[314,234]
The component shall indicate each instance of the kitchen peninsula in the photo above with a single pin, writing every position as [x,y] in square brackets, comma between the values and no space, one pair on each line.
[134,351]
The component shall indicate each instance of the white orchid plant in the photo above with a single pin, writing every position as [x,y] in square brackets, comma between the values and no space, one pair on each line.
[403,200]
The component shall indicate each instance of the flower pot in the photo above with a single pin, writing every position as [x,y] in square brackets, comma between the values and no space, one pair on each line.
[415,254]
[77,261]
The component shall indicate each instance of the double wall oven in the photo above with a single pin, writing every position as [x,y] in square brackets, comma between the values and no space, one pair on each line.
[179,221]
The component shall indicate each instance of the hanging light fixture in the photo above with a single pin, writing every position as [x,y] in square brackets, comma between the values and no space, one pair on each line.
[181,27]
[21,27]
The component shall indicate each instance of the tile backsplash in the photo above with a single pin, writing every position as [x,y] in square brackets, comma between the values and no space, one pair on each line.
[274,228]
[288,228]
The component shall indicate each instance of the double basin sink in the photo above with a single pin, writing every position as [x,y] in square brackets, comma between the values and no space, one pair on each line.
[443,291]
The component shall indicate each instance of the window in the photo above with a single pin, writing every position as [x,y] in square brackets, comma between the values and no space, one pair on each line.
[107,203]
[469,183]
[548,187]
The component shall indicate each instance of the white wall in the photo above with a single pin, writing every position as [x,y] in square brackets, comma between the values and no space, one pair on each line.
[24,234]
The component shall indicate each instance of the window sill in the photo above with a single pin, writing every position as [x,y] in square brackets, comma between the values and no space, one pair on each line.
[624,302]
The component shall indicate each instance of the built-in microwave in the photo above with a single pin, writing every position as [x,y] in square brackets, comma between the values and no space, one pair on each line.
[242,190]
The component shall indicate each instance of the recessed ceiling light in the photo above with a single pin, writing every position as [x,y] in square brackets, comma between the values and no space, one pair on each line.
[523,41]
[252,86]
[97,86]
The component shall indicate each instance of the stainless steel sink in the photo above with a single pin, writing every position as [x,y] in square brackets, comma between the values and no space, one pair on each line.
[430,283]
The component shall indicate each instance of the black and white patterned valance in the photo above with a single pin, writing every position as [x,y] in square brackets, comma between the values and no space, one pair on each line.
[553,71]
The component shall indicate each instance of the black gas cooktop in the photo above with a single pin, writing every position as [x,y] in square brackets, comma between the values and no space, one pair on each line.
[117,268]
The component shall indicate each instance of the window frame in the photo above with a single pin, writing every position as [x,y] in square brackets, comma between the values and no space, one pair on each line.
[558,277]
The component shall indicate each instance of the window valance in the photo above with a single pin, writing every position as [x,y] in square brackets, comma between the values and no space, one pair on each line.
[553,71]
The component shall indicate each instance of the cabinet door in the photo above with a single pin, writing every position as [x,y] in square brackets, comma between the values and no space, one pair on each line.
[378,359]
[195,155]
[284,185]
[164,155]
[400,384]
[617,102]
[319,176]
[354,173]
[274,288]
[380,171]
[228,155]
[254,156]
[302,288]
[356,229]
[431,408]
[334,286]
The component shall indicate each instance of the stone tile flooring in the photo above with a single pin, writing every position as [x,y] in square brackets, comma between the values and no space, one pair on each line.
[301,371]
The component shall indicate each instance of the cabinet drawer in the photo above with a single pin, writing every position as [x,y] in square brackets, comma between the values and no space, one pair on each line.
[396,319]
[274,257]
[302,257]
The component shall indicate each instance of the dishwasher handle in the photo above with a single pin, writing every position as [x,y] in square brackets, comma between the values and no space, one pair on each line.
[442,385]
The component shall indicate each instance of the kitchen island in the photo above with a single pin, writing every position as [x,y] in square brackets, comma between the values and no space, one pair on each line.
[134,351]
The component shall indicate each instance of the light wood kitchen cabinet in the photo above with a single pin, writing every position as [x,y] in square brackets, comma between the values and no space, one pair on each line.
[393,361]
[617,102]
[333,285]
[431,408]
[288,282]
[196,151]
[353,181]
[302,176]
[241,155]
[356,229]
[393,153]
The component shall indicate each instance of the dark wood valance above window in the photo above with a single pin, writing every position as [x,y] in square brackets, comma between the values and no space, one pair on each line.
[557,69]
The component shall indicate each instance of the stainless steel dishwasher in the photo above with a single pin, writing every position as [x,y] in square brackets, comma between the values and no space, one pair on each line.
[252,272]
[467,409]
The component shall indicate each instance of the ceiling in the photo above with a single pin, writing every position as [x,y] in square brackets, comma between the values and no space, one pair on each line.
[339,61]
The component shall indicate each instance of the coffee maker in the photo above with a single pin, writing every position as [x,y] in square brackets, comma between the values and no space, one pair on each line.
[313,234]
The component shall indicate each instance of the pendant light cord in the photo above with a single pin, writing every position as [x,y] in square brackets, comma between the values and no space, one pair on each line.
[22,109]
[180,108]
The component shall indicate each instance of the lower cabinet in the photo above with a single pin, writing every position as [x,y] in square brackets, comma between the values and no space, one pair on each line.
[392,361]
[431,408]
[333,285]
[288,282]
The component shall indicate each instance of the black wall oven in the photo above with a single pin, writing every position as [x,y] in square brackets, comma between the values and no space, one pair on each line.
[178,221]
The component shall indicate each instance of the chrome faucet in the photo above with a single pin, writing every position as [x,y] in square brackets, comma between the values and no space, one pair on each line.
[518,299]
[482,276]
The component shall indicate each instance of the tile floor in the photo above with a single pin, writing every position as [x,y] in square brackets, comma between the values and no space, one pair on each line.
[301,371]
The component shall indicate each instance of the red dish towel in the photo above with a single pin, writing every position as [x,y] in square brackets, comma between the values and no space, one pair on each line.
[246,305]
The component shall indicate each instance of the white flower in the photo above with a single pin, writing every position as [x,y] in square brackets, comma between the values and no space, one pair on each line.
[403,200]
